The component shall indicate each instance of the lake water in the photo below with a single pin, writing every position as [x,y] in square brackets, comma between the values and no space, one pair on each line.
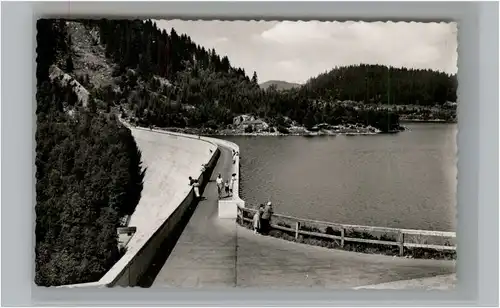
[404,180]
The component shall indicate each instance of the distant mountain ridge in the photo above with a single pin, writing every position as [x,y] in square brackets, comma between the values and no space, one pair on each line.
[280,85]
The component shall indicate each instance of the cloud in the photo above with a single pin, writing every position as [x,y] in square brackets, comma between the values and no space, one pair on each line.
[296,32]
[414,45]
[287,63]
[296,51]
[221,40]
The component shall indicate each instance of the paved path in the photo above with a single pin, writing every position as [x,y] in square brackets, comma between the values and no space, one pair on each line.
[213,252]
[442,282]
[205,254]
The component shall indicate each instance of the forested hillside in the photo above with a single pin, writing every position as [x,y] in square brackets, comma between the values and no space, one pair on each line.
[88,173]
[279,84]
[378,84]
[166,79]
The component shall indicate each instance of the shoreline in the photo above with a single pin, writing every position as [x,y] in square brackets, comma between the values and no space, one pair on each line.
[296,130]
[198,132]
[426,121]
[361,131]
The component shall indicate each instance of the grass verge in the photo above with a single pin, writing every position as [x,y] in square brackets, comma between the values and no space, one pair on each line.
[417,253]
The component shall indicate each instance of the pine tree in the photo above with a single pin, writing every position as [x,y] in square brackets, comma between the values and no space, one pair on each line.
[309,119]
[45,49]
[145,65]
[69,64]
[254,78]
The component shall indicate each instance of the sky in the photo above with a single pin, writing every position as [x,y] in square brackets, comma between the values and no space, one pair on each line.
[296,51]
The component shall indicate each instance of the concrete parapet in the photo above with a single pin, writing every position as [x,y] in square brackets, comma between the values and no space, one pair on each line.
[157,216]
[228,207]
[143,259]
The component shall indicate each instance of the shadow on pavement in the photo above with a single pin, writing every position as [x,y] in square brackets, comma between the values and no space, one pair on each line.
[163,252]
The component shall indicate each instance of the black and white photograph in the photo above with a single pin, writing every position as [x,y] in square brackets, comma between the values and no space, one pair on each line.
[246,154]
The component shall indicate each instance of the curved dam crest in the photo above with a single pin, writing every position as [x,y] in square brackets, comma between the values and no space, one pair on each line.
[166,185]
[205,255]
[168,160]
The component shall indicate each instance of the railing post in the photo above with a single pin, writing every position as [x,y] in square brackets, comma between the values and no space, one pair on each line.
[401,240]
[297,227]
[342,235]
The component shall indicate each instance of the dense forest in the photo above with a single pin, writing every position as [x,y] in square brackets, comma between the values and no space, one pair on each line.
[205,90]
[88,175]
[378,84]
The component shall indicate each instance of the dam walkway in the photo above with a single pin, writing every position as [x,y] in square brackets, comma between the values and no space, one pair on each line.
[214,253]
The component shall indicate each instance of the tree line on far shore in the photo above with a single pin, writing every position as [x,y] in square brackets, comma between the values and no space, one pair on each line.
[378,84]
[205,90]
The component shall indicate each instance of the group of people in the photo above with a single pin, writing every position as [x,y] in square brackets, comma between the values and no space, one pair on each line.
[262,219]
[226,186]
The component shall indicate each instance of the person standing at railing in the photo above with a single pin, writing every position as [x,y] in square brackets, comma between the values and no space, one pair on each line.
[266,218]
[233,179]
[226,188]
[261,212]
[196,186]
[256,222]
